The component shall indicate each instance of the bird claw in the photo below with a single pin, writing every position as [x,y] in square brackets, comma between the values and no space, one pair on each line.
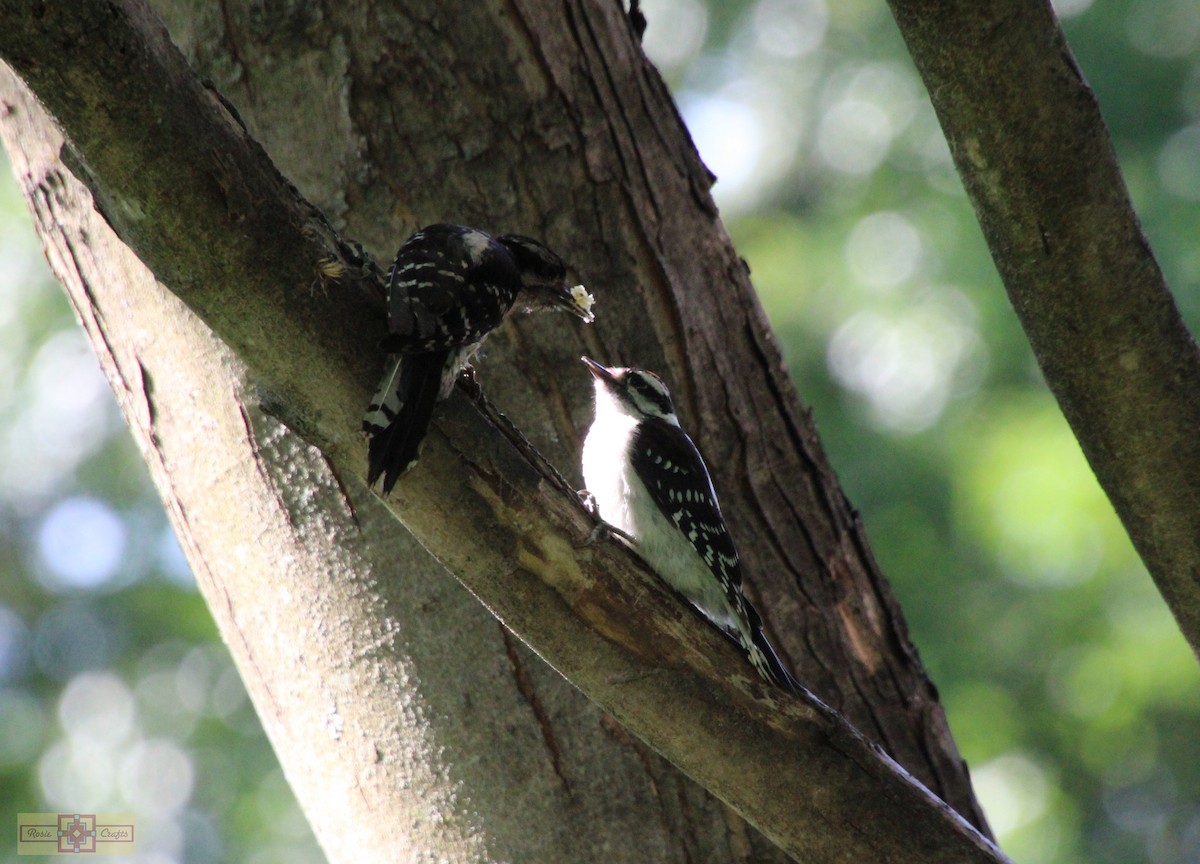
[469,381]
[597,532]
[588,500]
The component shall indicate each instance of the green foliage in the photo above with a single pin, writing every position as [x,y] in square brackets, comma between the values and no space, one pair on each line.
[115,691]
[1069,689]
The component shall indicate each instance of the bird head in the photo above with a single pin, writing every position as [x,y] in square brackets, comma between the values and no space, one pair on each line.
[544,282]
[635,392]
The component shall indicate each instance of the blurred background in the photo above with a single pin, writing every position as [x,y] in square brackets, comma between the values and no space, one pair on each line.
[1068,687]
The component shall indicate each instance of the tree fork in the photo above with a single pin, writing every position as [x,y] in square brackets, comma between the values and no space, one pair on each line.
[595,617]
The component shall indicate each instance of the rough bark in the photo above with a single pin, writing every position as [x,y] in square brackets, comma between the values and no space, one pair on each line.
[400,742]
[556,127]
[1039,166]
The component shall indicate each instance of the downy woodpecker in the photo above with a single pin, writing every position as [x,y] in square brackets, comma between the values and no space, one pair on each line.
[647,478]
[448,287]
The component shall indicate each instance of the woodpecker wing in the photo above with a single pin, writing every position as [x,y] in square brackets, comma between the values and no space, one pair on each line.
[763,655]
[399,416]
[387,401]
[448,286]
[671,467]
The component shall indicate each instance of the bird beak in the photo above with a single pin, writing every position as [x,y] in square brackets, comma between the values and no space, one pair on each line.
[602,373]
[575,300]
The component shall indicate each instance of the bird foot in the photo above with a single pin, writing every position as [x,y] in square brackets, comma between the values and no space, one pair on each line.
[588,500]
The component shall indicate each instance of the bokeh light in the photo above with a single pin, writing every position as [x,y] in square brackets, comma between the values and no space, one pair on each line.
[97,707]
[729,134]
[82,543]
[789,28]
[854,136]
[1068,687]
[111,674]
[1017,789]
[883,250]
[675,31]
[1179,164]
[1169,30]
[65,414]
[156,777]
[1071,8]
[905,365]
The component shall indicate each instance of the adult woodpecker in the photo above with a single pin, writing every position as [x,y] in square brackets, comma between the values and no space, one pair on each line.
[449,286]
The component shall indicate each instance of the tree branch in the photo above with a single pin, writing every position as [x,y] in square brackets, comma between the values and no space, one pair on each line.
[1028,139]
[203,207]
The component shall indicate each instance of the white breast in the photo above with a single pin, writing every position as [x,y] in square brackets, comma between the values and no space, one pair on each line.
[605,468]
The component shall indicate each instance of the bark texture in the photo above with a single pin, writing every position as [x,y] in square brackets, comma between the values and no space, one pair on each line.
[410,723]
[1038,163]
[538,118]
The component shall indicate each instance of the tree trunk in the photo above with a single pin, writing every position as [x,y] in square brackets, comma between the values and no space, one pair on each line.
[545,119]
[372,671]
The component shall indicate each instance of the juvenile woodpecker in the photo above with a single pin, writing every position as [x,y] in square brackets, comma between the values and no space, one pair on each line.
[448,287]
[648,479]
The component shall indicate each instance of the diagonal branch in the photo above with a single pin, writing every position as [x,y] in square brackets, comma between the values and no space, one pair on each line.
[1028,139]
[203,207]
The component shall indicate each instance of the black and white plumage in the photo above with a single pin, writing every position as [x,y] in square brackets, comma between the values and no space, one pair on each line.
[649,480]
[449,286]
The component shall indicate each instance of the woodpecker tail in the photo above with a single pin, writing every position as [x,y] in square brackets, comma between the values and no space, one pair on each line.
[399,414]
[762,656]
